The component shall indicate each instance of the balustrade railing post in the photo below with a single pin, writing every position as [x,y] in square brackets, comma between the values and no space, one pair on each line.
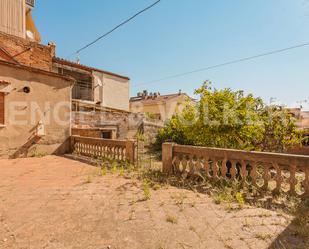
[167,157]
[130,150]
[306,187]
[72,144]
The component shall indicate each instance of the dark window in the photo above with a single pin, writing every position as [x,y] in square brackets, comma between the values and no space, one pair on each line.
[107,134]
[1,108]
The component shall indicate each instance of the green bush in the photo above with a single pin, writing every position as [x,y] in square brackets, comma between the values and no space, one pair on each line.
[231,119]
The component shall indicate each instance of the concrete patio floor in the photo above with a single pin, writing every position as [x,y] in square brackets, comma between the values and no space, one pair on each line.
[57,203]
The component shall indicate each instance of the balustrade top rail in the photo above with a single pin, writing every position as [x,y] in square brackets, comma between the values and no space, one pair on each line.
[101,141]
[264,157]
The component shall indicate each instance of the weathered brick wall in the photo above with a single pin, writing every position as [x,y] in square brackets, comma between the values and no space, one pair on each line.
[126,124]
[38,56]
[118,121]
[150,131]
[95,133]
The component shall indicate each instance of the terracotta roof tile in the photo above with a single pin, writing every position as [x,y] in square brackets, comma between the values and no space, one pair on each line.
[36,70]
[4,55]
[87,68]
[155,99]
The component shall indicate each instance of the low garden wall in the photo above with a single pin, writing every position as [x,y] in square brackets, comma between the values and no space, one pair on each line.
[264,172]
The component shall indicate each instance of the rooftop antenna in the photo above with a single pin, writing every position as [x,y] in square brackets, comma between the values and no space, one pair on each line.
[301,102]
[272,100]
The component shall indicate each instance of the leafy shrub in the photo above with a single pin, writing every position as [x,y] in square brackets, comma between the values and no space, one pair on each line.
[231,119]
[146,190]
[240,199]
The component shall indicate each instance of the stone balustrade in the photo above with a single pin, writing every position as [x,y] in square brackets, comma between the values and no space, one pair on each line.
[122,150]
[262,171]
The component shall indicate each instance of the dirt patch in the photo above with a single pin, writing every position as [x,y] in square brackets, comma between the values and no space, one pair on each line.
[56,203]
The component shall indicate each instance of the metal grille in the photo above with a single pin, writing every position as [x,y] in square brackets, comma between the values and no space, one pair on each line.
[30,2]
[83,90]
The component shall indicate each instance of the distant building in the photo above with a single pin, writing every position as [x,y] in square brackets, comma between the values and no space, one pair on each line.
[94,85]
[100,100]
[305,120]
[158,107]
[16,19]
[302,119]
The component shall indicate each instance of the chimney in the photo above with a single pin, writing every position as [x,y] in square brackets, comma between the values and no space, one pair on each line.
[52,47]
[145,94]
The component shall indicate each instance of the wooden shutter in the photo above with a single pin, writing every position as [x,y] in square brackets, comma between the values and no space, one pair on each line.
[1,108]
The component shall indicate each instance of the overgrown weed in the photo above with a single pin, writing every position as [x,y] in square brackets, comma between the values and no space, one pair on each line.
[146,190]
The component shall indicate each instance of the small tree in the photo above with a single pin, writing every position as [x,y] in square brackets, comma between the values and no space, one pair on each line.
[231,119]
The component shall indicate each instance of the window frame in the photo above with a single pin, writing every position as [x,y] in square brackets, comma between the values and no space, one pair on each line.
[2,107]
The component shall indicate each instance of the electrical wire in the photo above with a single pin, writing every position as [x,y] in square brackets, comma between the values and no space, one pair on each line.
[225,64]
[117,27]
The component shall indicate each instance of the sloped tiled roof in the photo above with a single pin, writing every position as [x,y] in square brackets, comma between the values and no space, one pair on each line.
[86,68]
[157,99]
[35,70]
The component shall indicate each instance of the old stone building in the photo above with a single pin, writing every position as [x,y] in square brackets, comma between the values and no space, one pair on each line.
[34,102]
[302,117]
[102,122]
[34,111]
[100,101]
[38,91]
[26,52]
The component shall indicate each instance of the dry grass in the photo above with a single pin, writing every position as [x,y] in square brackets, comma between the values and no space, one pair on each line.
[171,219]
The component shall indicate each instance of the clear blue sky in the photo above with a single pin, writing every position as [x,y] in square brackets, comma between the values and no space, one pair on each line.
[182,35]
